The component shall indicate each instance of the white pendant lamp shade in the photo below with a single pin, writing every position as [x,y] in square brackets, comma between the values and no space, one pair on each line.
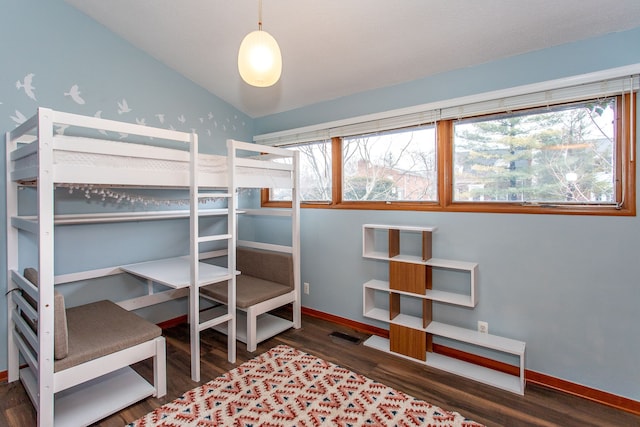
[259,59]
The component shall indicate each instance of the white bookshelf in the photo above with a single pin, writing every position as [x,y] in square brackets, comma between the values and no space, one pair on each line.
[375,248]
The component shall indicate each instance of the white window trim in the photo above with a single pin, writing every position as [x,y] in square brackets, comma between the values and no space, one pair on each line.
[590,85]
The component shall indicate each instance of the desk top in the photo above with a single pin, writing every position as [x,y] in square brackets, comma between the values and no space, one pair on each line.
[175,272]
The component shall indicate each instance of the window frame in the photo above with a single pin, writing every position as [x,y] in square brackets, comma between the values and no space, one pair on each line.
[625,171]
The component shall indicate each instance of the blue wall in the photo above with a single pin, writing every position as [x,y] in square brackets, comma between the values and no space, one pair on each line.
[62,47]
[567,285]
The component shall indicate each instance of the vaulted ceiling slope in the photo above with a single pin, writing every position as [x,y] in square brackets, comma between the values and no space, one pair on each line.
[335,48]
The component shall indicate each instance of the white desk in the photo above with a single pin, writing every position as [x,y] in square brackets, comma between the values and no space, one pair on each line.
[175,272]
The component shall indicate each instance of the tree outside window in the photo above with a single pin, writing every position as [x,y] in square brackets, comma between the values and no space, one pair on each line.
[391,166]
[563,154]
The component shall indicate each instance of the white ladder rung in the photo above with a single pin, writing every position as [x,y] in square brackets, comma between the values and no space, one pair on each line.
[215,321]
[215,280]
[214,238]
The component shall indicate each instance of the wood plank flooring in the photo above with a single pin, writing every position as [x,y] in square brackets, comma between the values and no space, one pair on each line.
[538,407]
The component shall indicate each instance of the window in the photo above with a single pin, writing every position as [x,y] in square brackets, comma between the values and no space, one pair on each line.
[538,157]
[390,166]
[315,174]
[560,155]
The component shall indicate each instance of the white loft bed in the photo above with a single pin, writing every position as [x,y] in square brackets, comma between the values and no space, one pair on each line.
[38,157]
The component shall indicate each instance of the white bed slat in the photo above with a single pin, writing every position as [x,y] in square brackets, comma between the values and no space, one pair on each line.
[26,352]
[26,224]
[105,176]
[25,307]
[261,164]
[25,127]
[114,148]
[24,150]
[25,330]
[24,284]
[24,174]
[28,378]
[60,117]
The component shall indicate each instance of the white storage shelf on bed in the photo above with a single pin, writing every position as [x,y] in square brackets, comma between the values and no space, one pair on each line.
[38,157]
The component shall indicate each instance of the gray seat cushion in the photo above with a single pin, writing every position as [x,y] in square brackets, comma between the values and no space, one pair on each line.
[60,339]
[249,291]
[267,265]
[102,328]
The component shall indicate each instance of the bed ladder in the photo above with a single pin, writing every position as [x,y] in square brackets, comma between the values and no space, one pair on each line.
[196,281]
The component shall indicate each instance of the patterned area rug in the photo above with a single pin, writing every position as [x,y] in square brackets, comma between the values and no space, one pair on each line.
[286,387]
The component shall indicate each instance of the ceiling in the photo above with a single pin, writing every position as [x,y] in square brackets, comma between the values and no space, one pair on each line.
[334,48]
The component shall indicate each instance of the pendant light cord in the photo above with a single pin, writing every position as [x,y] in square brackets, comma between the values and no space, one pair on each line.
[260,15]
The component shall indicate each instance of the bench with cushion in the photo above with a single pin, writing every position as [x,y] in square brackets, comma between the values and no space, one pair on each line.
[100,338]
[266,281]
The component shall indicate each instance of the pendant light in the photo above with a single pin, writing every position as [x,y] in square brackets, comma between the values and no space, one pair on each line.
[259,58]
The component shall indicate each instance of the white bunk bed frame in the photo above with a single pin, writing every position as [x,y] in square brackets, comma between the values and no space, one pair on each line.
[36,156]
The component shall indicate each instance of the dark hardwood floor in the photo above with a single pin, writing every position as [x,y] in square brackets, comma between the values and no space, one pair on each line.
[538,407]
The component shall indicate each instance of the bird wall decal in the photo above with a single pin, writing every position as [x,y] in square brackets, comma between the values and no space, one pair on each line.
[27,85]
[74,93]
[19,118]
[123,107]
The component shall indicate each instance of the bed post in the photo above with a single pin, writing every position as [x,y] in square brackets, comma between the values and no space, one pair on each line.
[194,258]
[45,267]
[11,258]
[232,230]
[295,239]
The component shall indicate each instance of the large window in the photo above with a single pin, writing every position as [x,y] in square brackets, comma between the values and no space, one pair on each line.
[391,166]
[568,158]
[563,154]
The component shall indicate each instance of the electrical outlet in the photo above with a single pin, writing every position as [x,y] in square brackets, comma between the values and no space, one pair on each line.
[483,327]
[306,288]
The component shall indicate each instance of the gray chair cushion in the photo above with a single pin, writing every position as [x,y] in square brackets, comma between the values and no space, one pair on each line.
[92,330]
[60,338]
[102,328]
[249,291]
[267,265]
[263,275]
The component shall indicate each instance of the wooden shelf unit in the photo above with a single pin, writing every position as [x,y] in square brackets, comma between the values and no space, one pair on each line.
[410,335]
